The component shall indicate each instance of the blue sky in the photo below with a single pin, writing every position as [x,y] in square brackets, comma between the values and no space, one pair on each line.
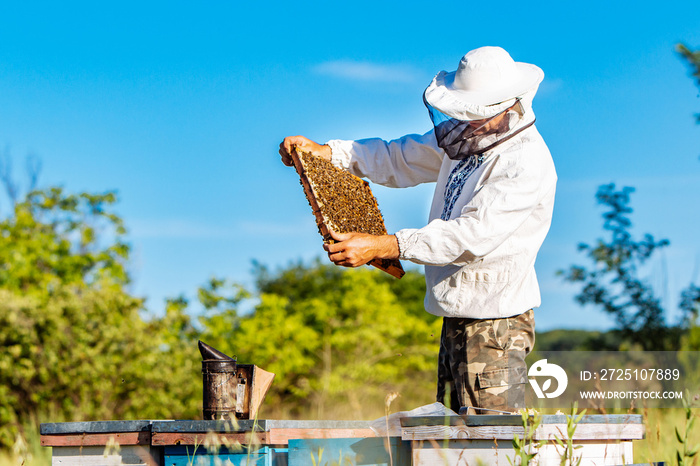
[180,106]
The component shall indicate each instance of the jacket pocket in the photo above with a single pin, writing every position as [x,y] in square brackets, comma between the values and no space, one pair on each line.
[447,289]
[465,292]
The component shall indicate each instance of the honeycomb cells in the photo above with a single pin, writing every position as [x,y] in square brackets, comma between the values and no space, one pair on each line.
[346,202]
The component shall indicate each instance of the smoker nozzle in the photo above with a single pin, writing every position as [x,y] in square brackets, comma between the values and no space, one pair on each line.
[208,353]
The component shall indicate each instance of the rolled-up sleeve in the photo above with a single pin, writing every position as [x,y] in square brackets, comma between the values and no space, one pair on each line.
[401,163]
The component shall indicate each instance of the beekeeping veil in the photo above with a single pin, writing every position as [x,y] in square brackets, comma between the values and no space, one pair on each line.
[485,102]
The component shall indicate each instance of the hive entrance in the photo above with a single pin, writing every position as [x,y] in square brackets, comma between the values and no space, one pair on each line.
[341,202]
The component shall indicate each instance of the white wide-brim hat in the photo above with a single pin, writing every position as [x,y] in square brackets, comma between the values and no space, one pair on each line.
[485,83]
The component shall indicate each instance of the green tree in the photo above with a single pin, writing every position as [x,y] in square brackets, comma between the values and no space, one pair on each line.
[338,340]
[75,343]
[690,299]
[613,281]
[693,59]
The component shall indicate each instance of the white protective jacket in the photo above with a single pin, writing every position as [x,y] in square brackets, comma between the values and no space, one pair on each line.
[481,262]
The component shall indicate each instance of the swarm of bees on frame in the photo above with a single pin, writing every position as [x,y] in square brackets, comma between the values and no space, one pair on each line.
[346,201]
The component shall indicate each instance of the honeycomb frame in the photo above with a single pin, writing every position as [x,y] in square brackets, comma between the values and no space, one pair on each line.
[342,202]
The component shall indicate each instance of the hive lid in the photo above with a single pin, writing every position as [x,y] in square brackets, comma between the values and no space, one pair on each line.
[94,427]
[516,420]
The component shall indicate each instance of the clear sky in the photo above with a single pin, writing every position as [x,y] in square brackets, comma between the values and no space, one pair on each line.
[180,107]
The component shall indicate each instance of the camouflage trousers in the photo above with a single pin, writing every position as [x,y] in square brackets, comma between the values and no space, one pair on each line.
[482,362]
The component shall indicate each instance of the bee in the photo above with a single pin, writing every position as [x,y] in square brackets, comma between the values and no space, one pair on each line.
[346,202]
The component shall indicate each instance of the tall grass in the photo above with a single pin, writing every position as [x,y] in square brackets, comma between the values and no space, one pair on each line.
[661,443]
[27,449]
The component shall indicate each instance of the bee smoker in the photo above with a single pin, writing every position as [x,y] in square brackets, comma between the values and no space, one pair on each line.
[231,390]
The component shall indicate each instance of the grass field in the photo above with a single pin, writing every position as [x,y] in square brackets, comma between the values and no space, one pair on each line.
[661,443]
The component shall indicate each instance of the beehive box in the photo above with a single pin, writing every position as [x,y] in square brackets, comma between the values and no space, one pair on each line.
[488,439]
[424,441]
[341,202]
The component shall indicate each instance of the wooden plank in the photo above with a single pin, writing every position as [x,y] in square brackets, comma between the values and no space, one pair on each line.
[239,425]
[591,452]
[470,452]
[606,432]
[121,438]
[95,456]
[188,438]
[282,436]
[323,424]
[257,425]
[628,453]
[516,420]
[432,453]
[391,266]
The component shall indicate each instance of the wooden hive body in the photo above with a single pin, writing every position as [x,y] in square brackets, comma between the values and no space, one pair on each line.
[342,202]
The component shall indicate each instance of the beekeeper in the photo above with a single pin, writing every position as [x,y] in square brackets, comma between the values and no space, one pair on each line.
[490,213]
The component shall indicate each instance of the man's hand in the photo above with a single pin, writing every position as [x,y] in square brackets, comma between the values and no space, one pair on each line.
[356,249]
[304,144]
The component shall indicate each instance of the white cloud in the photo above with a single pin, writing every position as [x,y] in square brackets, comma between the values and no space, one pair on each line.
[367,71]
[550,86]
